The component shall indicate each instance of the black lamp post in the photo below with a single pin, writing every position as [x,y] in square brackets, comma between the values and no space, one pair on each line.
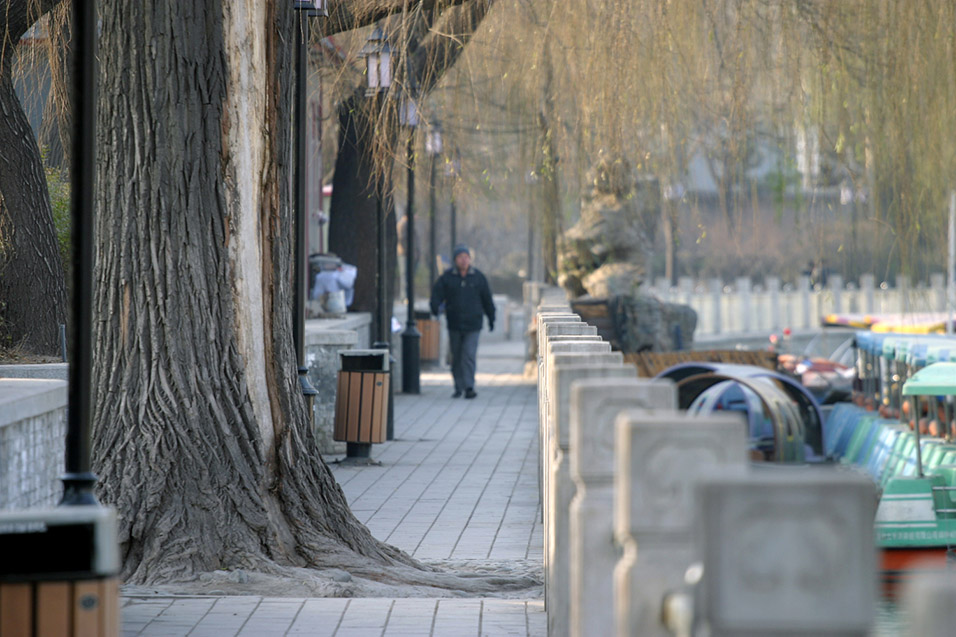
[304,10]
[433,150]
[453,171]
[378,74]
[78,480]
[411,338]
[531,178]
[312,8]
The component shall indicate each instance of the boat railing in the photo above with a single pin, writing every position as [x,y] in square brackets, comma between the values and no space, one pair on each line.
[945,489]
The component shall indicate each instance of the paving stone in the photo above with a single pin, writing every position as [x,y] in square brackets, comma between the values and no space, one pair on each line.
[459,481]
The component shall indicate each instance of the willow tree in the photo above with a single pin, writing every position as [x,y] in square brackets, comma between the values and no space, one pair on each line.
[429,38]
[32,282]
[201,436]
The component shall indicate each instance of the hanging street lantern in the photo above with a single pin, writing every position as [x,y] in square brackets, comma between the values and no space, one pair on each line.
[378,62]
[313,8]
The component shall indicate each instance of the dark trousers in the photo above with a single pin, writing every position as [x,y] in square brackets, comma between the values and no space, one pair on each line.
[464,351]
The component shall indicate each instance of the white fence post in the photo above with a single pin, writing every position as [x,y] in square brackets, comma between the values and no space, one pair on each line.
[937,282]
[659,457]
[716,293]
[746,309]
[836,291]
[803,285]
[929,603]
[773,289]
[787,552]
[595,405]
[560,489]
[868,286]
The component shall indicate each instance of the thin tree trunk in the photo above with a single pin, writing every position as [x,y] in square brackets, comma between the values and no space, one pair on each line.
[353,225]
[32,282]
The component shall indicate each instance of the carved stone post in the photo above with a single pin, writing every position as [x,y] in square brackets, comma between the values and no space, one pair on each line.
[595,405]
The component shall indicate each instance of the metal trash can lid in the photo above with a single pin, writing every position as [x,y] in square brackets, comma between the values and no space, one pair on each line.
[364,360]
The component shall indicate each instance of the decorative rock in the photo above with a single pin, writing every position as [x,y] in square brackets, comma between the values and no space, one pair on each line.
[660,457]
[788,552]
[595,405]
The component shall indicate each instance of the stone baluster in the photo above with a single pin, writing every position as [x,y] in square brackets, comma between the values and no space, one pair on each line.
[745,298]
[659,458]
[836,292]
[546,435]
[773,290]
[560,489]
[937,283]
[903,290]
[686,286]
[787,552]
[803,286]
[595,405]
[868,286]
[929,604]
[716,296]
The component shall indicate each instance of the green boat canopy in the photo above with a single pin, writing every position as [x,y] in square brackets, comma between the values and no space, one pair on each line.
[938,379]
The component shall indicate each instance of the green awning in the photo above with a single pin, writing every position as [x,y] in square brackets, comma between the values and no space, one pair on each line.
[938,379]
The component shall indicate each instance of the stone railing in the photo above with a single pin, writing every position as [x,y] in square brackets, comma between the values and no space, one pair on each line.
[657,523]
[743,306]
[32,441]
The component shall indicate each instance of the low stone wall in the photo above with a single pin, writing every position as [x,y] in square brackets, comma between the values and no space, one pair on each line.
[32,441]
[324,339]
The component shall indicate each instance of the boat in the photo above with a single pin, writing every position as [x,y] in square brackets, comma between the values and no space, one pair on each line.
[911,458]
[785,422]
[916,517]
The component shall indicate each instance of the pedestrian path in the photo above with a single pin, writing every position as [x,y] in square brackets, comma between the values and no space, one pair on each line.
[457,484]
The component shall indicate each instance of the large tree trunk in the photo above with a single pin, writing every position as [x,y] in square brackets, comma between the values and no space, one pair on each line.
[201,436]
[32,282]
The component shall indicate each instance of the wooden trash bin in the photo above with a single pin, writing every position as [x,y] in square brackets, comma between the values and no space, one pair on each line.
[58,573]
[361,399]
[430,329]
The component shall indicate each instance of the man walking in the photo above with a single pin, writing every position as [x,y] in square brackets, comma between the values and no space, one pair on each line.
[464,292]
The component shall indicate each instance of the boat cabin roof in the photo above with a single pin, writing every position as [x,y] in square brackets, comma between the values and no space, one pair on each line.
[938,379]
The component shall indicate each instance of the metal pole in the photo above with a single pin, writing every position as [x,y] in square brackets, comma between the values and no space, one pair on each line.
[411,338]
[454,230]
[78,481]
[951,264]
[530,274]
[432,243]
[301,202]
[383,313]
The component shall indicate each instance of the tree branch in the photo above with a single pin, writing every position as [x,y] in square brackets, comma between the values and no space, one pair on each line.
[440,50]
[346,15]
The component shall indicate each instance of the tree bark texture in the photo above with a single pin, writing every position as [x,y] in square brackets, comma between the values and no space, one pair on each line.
[201,436]
[32,281]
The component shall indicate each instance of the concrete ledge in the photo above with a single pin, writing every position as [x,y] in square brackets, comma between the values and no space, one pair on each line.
[59,371]
[319,336]
[23,398]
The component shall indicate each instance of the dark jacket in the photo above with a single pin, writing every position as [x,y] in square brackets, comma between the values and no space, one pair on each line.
[465,298]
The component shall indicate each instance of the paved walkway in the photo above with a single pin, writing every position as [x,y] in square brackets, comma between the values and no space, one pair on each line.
[457,484]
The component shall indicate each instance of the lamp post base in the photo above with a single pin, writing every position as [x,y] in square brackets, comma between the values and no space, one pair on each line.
[78,489]
[411,360]
[308,391]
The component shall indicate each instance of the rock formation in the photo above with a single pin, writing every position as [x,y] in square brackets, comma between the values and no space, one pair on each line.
[604,257]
